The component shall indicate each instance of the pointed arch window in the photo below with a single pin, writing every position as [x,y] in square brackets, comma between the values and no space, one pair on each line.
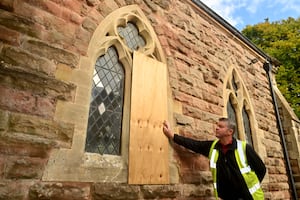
[237,106]
[106,107]
[103,96]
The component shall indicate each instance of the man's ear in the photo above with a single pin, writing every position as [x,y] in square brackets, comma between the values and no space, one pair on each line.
[231,131]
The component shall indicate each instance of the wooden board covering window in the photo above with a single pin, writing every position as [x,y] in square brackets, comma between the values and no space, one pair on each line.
[148,146]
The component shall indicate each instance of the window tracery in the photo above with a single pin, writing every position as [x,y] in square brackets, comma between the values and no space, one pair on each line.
[238,108]
[74,160]
[108,122]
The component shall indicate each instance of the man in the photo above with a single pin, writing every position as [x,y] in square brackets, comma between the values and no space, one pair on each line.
[236,168]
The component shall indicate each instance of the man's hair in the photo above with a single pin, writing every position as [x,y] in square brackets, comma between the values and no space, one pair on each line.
[230,123]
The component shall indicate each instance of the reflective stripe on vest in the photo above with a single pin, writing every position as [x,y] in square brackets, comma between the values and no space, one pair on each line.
[254,188]
[248,175]
[213,156]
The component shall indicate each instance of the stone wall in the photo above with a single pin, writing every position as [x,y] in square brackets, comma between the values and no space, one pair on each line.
[42,42]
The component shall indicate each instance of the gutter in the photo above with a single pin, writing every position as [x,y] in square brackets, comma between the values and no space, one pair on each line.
[268,68]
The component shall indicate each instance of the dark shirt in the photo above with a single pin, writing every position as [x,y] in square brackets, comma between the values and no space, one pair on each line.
[230,182]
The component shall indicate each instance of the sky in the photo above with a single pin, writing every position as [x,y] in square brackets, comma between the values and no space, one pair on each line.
[240,13]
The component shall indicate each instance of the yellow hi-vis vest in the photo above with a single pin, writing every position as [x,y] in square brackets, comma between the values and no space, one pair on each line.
[248,174]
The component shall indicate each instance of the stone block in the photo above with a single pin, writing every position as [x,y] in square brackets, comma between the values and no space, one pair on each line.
[16,100]
[63,72]
[184,98]
[71,113]
[3,120]
[183,119]
[24,168]
[89,25]
[29,62]
[24,145]
[56,130]
[192,192]
[58,55]
[42,86]
[2,167]
[7,5]
[26,102]
[160,191]
[105,8]
[13,190]
[115,191]
[83,95]
[9,36]
[59,191]
[75,6]
[19,23]
[81,78]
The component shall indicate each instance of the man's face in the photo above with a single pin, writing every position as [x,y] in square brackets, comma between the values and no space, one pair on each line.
[222,130]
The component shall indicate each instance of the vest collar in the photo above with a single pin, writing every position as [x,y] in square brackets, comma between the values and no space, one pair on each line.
[231,146]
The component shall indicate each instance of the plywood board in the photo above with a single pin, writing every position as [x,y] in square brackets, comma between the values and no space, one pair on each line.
[148,146]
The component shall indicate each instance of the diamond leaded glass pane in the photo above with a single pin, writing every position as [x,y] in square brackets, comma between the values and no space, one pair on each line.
[131,35]
[106,106]
[231,115]
[247,126]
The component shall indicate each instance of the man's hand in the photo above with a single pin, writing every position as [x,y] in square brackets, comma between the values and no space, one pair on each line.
[167,130]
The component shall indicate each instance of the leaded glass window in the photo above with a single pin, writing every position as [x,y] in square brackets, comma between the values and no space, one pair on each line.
[236,108]
[247,126]
[106,106]
[232,115]
[131,35]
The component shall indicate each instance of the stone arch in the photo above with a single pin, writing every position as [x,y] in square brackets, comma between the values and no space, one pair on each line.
[235,91]
[107,34]
[75,164]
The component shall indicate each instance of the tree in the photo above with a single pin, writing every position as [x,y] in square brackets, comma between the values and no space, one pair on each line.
[281,40]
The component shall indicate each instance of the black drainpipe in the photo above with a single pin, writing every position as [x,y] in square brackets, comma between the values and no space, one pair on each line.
[268,69]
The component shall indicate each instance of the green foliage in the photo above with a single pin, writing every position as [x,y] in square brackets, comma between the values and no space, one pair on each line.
[281,40]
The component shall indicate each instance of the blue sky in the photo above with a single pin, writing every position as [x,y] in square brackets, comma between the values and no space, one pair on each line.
[240,13]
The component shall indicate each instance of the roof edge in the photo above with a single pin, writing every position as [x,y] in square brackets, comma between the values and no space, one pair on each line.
[234,31]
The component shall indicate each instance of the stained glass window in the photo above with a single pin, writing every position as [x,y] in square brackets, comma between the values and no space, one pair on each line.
[105,114]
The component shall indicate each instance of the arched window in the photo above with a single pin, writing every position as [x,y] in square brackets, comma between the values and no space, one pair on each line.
[104,80]
[237,106]
[129,59]
[105,115]
[106,108]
